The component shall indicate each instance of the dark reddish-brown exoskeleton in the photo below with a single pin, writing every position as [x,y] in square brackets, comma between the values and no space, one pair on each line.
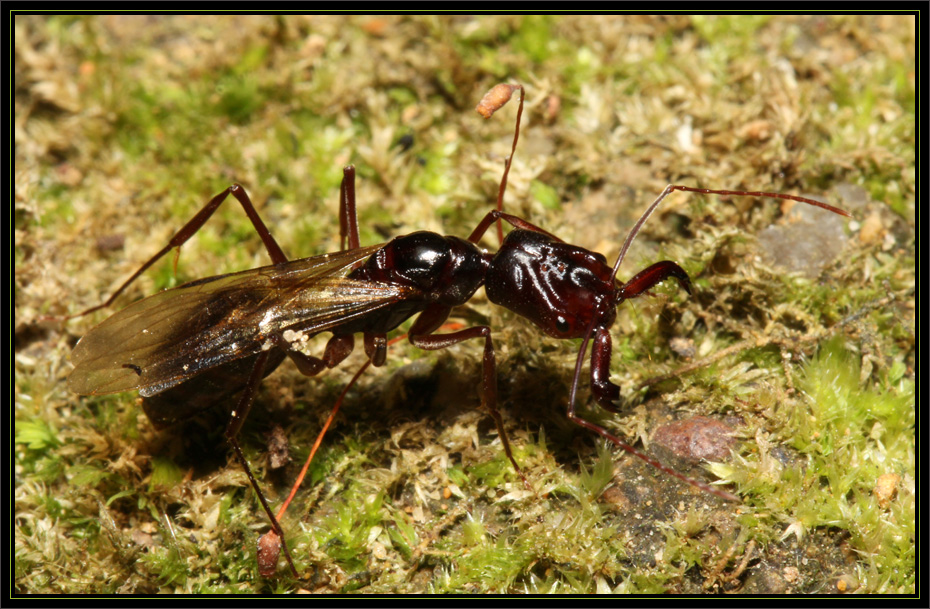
[196,345]
[199,344]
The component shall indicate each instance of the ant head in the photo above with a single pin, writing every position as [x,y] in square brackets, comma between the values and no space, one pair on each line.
[564,289]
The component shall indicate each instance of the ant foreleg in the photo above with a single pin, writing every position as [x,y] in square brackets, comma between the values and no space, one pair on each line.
[600,360]
[606,393]
[191,228]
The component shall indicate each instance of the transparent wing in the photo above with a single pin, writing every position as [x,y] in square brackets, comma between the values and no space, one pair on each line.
[165,339]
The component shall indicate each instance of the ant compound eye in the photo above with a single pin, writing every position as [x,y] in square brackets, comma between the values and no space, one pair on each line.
[561,324]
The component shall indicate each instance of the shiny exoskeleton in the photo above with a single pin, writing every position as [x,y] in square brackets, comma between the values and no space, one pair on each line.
[570,292]
[443,272]
[194,346]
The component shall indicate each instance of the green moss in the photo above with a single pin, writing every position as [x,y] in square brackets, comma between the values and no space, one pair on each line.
[594,481]
[37,435]
[846,435]
[165,474]
[728,30]
[128,125]
[546,196]
[534,37]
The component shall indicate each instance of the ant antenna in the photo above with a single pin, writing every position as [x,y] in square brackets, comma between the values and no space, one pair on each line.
[494,100]
[673,187]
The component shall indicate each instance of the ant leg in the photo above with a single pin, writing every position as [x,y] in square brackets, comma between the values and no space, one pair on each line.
[270,543]
[340,347]
[421,335]
[188,231]
[600,361]
[307,365]
[605,393]
[236,420]
[337,349]
[376,348]
[348,219]
[319,437]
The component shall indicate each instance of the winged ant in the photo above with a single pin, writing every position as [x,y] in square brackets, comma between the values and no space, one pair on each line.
[195,346]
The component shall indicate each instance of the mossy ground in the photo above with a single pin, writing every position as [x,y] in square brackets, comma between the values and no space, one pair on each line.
[126,125]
